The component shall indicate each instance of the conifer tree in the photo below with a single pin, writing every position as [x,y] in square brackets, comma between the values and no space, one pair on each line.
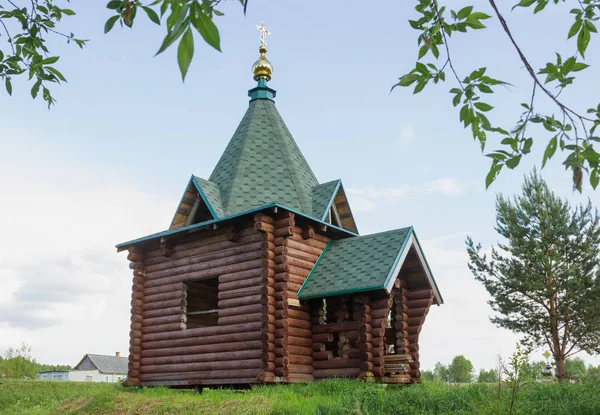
[544,279]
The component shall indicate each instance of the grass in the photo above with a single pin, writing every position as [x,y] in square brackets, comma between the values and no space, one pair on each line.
[331,397]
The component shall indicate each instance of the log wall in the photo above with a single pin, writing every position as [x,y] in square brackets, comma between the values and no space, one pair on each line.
[229,346]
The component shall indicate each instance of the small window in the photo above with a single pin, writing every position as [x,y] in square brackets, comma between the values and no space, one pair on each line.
[202,302]
[199,213]
[88,379]
[106,378]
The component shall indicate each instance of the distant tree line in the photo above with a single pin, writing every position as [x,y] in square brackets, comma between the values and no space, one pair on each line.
[460,370]
[18,363]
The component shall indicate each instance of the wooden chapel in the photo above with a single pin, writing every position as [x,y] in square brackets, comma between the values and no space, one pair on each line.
[262,276]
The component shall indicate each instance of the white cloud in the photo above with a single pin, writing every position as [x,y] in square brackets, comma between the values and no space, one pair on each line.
[367,198]
[65,290]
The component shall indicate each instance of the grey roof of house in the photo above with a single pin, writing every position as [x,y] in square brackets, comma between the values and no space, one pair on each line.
[108,364]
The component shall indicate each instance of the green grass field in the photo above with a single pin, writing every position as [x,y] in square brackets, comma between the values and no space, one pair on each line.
[328,397]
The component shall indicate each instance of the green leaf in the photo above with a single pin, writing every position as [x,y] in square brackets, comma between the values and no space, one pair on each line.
[479,16]
[408,79]
[464,12]
[151,15]
[575,28]
[527,145]
[594,178]
[484,88]
[207,29]
[590,26]
[420,67]
[110,23]
[435,50]
[68,12]
[185,52]
[493,173]
[57,73]
[49,61]
[423,51]
[524,3]
[36,88]
[172,36]
[419,87]
[114,4]
[550,150]
[513,162]
[579,66]
[583,40]
[456,99]
[482,106]
[8,85]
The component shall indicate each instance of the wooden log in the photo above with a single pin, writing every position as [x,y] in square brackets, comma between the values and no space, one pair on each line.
[239,276]
[247,309]
[203,366]
[176,318]
[336,373]
[283,232]
[162,289]
[303,246]
[322,355]
[298,238]
[242,301]
[299,351]
[202,331]
[157,305]
[284,223]
[322,337]
[197,375]
[384,303]
[366,366]
[249,282]
[209,273]
[298,368]
[319,347]
[296,253]
[336,363]
[163,328]
[262,217]
[300,360]
[293,331]
[417,312]
[335,327]
[418,294]
[380,313]
[240,319]
[204,357]
[299,341]
[205,348]
[178,294]
[242,292]
[415,321]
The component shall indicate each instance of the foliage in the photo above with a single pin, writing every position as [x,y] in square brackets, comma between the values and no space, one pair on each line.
[515,375]
[326,397]
[26,25]
[575,368]
[460,370]
[571,130]
[544,281]
[20,364]
[440,373]
[427,376]
[487,376]
[182,18]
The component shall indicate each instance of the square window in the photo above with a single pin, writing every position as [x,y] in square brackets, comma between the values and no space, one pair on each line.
[202,303]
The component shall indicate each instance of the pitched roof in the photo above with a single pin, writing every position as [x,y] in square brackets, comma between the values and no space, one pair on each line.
[322,197]
[107,364]
[263,164]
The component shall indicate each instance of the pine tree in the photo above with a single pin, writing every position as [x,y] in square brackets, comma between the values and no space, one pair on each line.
[544,281]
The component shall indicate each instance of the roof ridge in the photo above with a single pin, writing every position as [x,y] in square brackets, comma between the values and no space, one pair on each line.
[371,235]
[286,156]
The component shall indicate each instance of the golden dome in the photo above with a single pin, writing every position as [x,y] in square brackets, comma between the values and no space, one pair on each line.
[262,68]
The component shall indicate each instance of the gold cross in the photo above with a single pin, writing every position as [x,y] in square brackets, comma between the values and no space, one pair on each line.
[263,32]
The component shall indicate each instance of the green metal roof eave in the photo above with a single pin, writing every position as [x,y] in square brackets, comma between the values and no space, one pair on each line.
[436,290]
[310,274]
[400,254]
[204,198]
[226,218]
[334,194]
[342,292]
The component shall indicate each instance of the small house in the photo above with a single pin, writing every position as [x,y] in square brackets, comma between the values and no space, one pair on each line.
[100,368]
[56,375]
[262,275]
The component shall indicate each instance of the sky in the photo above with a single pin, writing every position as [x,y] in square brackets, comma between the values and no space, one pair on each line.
[108,163]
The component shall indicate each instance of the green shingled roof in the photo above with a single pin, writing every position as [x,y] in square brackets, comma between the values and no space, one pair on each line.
[263,164]
[211,195]
[322,196]
[357,264]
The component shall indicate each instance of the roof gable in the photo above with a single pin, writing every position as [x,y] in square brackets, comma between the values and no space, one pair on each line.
[332,195]
[262,164]
[109,364]
[362,263]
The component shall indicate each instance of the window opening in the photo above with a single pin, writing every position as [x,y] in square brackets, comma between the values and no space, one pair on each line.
[199,212]
[202,303]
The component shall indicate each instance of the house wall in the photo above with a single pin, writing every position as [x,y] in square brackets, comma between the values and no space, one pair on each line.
[162,349]
[296,247]
[95,376]
[57,376]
